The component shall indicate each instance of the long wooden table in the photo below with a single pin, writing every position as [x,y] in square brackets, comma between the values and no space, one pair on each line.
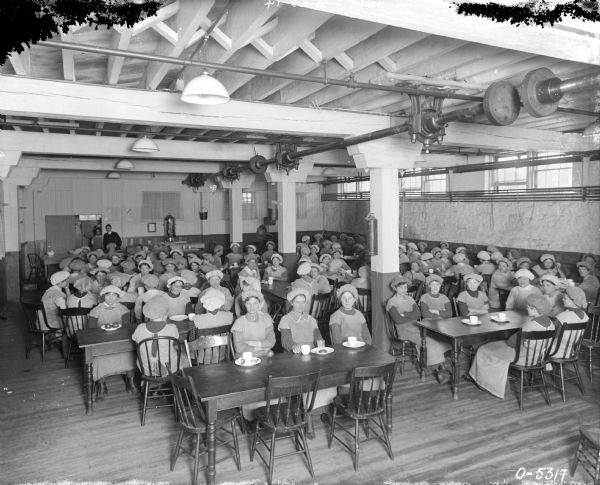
[226,385]
[97,342]
[458,334]
[277,292]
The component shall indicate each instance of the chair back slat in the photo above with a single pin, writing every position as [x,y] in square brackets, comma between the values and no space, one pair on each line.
[369,388]
[35,314]
[320,305]
[159,356]
[569,340]
[593,331]
[74,319]
[189,409]
[213,349]
[533,347]
[363,302]
[416,290]
[291,399]
[389,323]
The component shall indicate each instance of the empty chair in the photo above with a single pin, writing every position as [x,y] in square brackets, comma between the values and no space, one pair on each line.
[212,349]
[36,268]
[35,315]
[588,452]
[73,320]
[192,421]
[536,347]
[591,342]
[366,403]
[363,304]
[566,351]
[157,357]
[289,403]
[401,349]
[320,310]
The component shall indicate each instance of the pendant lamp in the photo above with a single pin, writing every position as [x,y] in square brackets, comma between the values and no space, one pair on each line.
[124,165]
[204,89]
[145,145]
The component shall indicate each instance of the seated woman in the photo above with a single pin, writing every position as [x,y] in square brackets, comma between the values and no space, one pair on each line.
[100,274]
[502,279]
[589,283]
[324,261]
[314,253]
[523,263]
[433,304]
[253,331]
[251,269]
[250,252]
[404,312]
[270,251]
[150,289]
[485,266]
[436,264]
[415,274]
[472,301]
[490,365]
[551,289]
[347,321]
[338,268]
[161,255]
[248,284]
[233,259]
[214,280]
[305,281]
[213,302]
[178,302]
[321,281]
[575,305]
[364,278]
[82,296]
[170,271]
[54,300]
[549,266]
[207,263]
[275,270]
[110,311]
[297,327]
[517,298]
[190,288]
[218,256]
[402,254]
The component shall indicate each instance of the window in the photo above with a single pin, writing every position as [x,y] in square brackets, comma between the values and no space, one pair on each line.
[424,183]
[554,175]
[156,205]
[536,176]
[354,187]
[301,205]
[248,204]
[435,183]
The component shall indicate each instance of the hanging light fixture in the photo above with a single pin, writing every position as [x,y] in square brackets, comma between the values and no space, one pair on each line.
[145,145]
[204,89]
[124,165]
[113,175]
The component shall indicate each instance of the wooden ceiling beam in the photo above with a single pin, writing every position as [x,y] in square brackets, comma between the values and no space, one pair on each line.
[162,14]
[311,50]
[166,32]
[441,18]
[21,63]
[120,40]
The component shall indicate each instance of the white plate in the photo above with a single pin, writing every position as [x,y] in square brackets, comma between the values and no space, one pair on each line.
[110,329]
[466,321]
[321,350]
[497,320]
[254,361]
[178,318]
[357,345]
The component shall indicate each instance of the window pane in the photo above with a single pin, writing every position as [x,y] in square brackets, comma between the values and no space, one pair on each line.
[364,186]
[554,175]
[411,183]
[435,183]
[248,205]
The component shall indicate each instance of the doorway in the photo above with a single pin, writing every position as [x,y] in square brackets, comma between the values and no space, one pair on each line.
[64,233]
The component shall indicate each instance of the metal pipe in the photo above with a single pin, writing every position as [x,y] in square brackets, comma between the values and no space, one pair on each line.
[553,89]
[252,71]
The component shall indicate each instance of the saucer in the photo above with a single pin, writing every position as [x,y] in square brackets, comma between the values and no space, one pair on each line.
[495,318]
[178,318]
[357,345]
[321,350]
[241,362]
[110,328]
[466,321]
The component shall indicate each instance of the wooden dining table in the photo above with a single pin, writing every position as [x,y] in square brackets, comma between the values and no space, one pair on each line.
[227,385]
[459,334]
[97,342]
[277,292]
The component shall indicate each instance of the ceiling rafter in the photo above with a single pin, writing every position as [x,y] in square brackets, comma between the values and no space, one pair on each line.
[120,40]
[161,15]
[21,63]
[311,50]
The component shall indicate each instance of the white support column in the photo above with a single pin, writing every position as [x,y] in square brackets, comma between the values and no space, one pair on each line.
[383,158]
[236,231]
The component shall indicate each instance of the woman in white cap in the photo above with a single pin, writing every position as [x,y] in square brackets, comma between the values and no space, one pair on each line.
[324,261]
[489,368]
[207,263]
[305,281]
[190,287]
[589,282]
[549,266]
[425,263]
[268,254]
[92,259]
[251,268]
[575,305]
[170,271]
[434,304]
[297,327]
[150,285]
[415,274]
[82,297]
[247,283]
[402,254]
[523,263]
[253,331]
[472,301]
[275,270]
[121,281]
[250,252]
[54,300]
[347,321]
[502,279]
[314,253]
[179,302]
[145,267]
[234,257]
[363,280]
[551,288]
[214,279]
[485,266]
[161,254]
[100,274]
[320,280]
[338,268]
[215,315]
[218,256]
[404,311]
[517,298]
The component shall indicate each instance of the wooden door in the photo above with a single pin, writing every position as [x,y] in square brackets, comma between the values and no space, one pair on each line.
[63,233]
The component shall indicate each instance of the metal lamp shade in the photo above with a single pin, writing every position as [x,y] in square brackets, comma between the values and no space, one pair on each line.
[124,165]
[113,175]
[204,89]
[144,145]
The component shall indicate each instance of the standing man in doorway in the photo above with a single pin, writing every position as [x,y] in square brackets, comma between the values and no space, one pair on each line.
[111,237]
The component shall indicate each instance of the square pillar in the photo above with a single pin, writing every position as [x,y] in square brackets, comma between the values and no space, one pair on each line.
[236,219]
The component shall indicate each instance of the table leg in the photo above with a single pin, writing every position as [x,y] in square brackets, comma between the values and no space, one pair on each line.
[211,439]
[88,379]
[423,353]
[455,368]
[388,413]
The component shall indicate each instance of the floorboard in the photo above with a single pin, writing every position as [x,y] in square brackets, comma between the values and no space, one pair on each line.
[479,439]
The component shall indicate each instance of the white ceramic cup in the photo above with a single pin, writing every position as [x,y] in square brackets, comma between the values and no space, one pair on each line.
[502,316]
[247,356]
[191,316]
[270,280]
[305,349]
[474,319]
[352,341]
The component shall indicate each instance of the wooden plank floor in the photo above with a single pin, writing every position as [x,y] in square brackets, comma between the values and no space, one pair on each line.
[479,439]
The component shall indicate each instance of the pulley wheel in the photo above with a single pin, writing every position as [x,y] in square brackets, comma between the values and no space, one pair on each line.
[258,164]
[501,103]
[530,94]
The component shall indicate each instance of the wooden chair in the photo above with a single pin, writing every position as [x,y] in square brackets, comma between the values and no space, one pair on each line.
[447,283]
[588,452]
[363,304]
[416,291]
[591,341]
[366,404]
[321,309]
[455,309]
[73,320]
[212,349]
[36,268]
[405,347]
[35,315]
[536,347]
[157,357]
[289,403]
[192,421]
[485,284]
[566,351]
[130,305]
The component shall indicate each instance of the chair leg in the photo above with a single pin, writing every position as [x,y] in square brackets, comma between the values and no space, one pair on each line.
[145,405]
[196,459]
[306,452]
[69,353]
[236,446]
[29,345]
[271,459]
[332,427]
[44,347]
[402,352]
[254,439]
[545,388]
[562,381]
[590,362]
[521,391]
[578,376]
[175,454]
[386,437]
[576,457]
[356,438]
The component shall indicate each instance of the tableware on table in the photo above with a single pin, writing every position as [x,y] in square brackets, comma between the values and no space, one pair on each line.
[320,343]
[500,318]
[467,321]
[178,318]
[191,316]
[247,355]
[473,319]
[321,350]
[357,344]
[247,363]
[111,327]
[270,281]
[352,341]
[305,349]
